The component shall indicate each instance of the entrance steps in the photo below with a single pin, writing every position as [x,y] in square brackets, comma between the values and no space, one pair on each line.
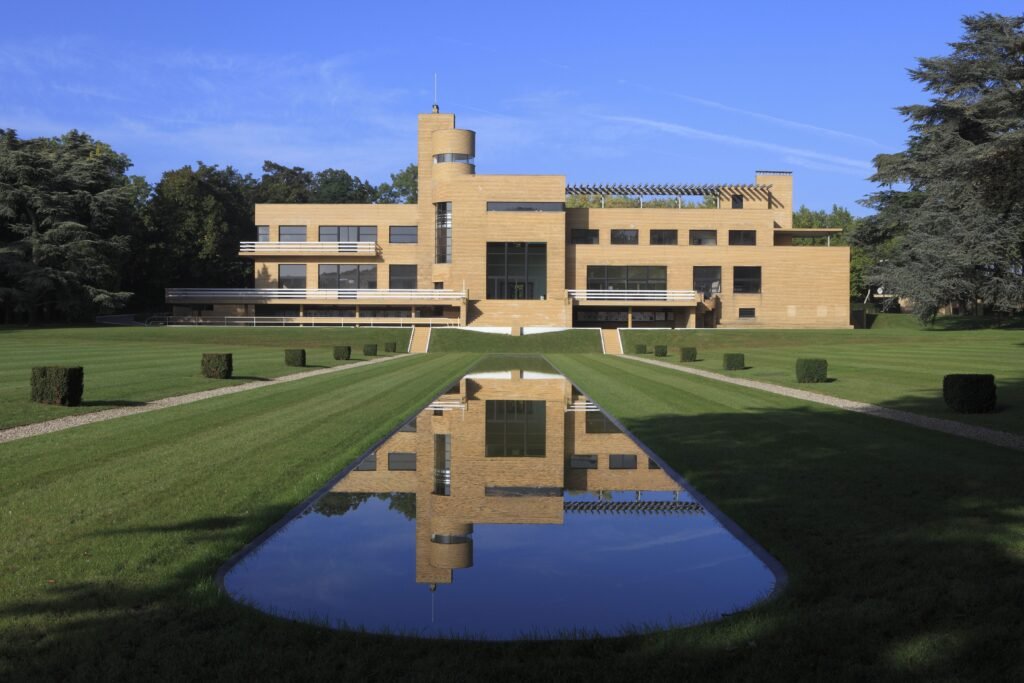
[611,342]
[420,341]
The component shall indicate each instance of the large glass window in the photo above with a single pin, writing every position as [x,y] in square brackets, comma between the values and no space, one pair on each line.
[453,157]
[517,270]
[625,236]
[627,277]
[526,206]
[347,276]
[348,233]
[515,428]
[584,236]
[664,237]
[402,234]
[443,229]
[703,238]
[742,238]
[291,276]
[291,233]
[262,233]
[402,277]
[707,279]
[746,279]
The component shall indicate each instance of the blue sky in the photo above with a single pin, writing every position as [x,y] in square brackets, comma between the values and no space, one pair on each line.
[626,92]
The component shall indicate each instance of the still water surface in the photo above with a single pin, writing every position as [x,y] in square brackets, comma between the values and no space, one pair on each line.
[510,507]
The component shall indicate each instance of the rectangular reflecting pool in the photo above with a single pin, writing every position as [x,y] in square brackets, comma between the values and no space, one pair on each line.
[510,507]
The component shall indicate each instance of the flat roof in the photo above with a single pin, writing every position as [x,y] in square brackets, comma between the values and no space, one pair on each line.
[661,190]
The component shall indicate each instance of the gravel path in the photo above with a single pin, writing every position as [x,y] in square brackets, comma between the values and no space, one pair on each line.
[992,436]
[62,423]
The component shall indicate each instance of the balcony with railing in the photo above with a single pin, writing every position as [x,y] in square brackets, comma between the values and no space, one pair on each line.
[636,297]
[315,296]
[308,248]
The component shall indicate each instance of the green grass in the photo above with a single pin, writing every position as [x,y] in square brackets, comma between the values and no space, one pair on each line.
[128,365]
[567,341]
[898,363]
[905,548]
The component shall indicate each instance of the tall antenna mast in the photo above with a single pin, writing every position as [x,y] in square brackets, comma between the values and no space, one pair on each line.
[435,109]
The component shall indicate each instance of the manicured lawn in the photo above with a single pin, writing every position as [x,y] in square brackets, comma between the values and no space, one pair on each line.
[897,364]
[125,365]
[904,547]
[567,341]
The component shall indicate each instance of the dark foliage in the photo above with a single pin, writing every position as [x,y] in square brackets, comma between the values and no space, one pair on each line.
[734,361]
[369,349]
[295,357]
[969,393]
[342,352]
[218,365]
[661,351]
[58,385]
[811,370]
[688,354]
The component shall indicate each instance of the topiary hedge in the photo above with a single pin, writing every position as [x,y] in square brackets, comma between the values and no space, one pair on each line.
[390,347]
[970,393]
[688,354]
[295,357]
[218,365]
[369,349]
[58,385]
[661,351]
[811,370]
[342,352]
[734,361]
[641,348]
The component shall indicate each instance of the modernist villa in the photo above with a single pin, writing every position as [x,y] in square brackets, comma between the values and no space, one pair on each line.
[506,253]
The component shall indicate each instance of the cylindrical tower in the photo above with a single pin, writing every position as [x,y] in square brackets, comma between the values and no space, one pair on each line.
[453,151]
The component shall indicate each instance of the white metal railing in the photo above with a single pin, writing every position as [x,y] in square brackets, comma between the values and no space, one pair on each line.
[211,295]
[671,295]
[284,321]
[351,248]
[450,404]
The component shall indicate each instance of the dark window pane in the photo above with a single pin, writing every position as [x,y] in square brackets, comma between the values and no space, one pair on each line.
[526,206]
[584,236]
[368,277]
[443,232]
[403,234]
[367,464]
[621,462]
[399,462]
[291,276]
[597,422]
[746,279]
[748,313]
[328,277]
[515,429]
[707,279]
[402,277]
[704,238]
[745,238]
[737,201]
[291,233]
[516,270]
[664,237]
[583,462]
[626,277]
[625,236]
[263,233]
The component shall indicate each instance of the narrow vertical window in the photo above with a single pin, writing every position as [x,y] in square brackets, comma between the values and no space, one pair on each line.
[443,236]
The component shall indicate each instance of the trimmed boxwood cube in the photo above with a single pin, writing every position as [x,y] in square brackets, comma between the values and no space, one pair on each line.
[688,354]
[218,365]
[58,385]
[970,393]
[641,348]
[734,361]
[295,357]
[342,352]
[811,370]
[390,347]
[369,349]
[661,351]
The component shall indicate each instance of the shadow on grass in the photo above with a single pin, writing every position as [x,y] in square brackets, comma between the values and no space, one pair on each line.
[112,404]
[251,378]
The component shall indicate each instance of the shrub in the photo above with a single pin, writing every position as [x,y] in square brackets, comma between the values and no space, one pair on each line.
[390,347]
[970,393]
[661,351]
[688,354]
[811,370]
[58,385]
[369,350]
[342,352]
[641,348]
[218,365]
[295,357]
[734,361]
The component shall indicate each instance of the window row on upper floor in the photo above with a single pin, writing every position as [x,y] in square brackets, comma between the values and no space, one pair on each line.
[397,234]
[697,237]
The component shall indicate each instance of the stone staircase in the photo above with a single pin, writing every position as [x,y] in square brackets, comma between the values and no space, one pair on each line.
[420,340]
[612,343]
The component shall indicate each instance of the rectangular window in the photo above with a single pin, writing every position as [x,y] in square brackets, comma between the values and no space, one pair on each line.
[664,237]
[627,277]
[584,236]
[262,233]
[703,238]
[737,201]
[597,422]
[517,270]
[742,238]
[707,279]
[368,464]
[348,233]
[623,236]
[515,429]
[526,206]
[443,464]
[619,461]
[402,234]
[402,462]
[583,462]
[291,233]
[291,276]
[443,232]
[748,313]
[402,277]
[746,279]
[347,276]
